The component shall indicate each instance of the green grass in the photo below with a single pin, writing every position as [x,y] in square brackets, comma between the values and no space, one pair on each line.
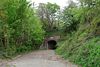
[82,47]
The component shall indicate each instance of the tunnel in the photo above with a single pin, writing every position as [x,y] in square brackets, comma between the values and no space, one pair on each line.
[52,44]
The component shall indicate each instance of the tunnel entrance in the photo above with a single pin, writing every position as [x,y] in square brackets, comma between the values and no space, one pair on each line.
[52,44]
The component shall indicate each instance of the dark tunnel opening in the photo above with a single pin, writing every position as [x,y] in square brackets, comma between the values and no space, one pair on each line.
[52,44]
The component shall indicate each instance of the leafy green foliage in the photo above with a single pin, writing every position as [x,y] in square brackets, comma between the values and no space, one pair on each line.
[20,28]
[89,52]
[83,45]
[71,18]
[47,14]
[81,51]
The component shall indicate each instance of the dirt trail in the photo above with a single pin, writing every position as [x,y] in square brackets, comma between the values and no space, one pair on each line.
[42,58]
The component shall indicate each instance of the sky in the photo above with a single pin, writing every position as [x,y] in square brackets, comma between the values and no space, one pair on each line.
[62,3]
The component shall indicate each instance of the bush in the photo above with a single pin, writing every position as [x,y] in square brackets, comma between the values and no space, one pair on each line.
[89,54]
[20,28]
[81,49]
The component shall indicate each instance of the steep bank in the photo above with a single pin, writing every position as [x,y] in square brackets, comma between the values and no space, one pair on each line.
[83,46]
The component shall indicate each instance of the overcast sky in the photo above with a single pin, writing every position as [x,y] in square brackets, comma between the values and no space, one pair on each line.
[62,3]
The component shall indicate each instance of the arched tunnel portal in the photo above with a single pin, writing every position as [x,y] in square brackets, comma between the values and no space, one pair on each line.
[52,44]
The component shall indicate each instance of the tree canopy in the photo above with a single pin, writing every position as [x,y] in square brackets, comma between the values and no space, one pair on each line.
[20,28]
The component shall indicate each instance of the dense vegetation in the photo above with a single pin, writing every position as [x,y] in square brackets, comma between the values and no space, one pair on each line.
[48,14]
[82,45]
[23,28]
[20,28]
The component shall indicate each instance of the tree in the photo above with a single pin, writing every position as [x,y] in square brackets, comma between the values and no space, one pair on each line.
[47,13]
[71,17]
[20,28]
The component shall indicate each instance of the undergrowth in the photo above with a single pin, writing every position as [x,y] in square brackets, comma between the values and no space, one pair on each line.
[82,47]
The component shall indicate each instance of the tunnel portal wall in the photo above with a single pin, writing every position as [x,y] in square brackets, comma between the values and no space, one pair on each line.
[47,40]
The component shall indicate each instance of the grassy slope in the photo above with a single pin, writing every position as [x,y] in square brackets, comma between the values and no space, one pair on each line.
[82,47]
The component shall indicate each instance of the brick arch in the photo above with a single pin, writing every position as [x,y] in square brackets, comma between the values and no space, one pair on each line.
[51,40]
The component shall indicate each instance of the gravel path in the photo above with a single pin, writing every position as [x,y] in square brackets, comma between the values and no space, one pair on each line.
[42,58]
